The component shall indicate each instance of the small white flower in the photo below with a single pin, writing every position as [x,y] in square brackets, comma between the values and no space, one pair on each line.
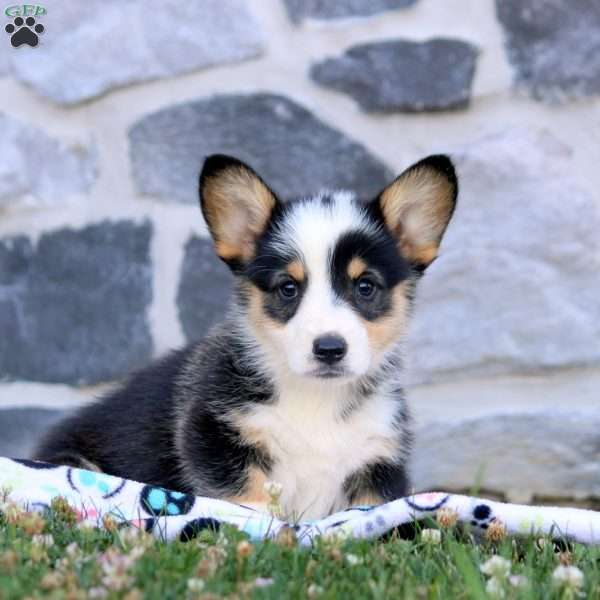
[195,584]
[431,536]
[273,488]
[314,590]
[97,592]
[73,550]
[541,543]
[353,560]
[261,582]
[495,587]
[85,525]
[570,577]
[42,540]
[496,567]
[132,536]
[518,581]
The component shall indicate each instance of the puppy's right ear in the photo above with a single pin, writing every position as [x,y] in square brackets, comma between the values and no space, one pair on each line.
[236,204]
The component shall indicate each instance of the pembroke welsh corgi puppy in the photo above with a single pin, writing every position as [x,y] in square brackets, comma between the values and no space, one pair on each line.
[300,384]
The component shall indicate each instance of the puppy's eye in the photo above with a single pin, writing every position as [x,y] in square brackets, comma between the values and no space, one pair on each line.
[365,288]
[288,290]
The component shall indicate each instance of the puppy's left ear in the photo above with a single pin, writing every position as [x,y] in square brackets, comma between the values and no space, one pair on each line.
[417,207]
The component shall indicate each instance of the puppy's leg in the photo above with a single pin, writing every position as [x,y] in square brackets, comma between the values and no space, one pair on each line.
[376,484]
[253,493]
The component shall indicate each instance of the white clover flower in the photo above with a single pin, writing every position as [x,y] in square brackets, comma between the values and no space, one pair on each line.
[274,489]
[518,581]
[353,560]
[195,584]
[496,567]
[116,566]
[133,536]
[43,540]
[73,550]
[495,587]
[570,577]
[431,536]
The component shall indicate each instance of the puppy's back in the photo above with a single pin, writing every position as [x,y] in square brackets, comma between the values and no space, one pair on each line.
[128,433]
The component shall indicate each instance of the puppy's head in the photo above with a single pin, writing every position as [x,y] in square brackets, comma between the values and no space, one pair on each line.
[326,281]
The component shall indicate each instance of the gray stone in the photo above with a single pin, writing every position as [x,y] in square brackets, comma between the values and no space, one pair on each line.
[399,75]
[516,286]
[204,288]
[22,428]
[91,47]
[73,307]
[299,10]
[40,168]
[295,152]
[547,454]
[553,46]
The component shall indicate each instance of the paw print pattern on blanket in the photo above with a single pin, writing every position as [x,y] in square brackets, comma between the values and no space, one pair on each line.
[427,501]
[158,501]
[482,516]
[193,528]
[172,516]
[107,485]
[35,464]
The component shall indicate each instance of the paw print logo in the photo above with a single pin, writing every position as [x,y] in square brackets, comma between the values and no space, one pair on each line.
[24,31]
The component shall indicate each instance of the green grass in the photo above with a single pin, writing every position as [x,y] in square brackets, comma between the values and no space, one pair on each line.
[126,565]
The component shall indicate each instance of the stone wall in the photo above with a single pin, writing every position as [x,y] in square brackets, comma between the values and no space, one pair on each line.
[104,258]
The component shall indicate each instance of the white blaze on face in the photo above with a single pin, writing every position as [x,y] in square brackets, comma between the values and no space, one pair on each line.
[313,230]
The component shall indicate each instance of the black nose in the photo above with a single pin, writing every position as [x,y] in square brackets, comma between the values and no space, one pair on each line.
[330,349]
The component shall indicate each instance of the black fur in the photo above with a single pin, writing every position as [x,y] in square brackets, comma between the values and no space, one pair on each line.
[132,432]
[267,272]
[385,480]
[116,434]
[386,268]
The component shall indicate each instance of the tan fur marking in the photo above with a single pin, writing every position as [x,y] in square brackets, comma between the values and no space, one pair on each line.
[254,493]
[368,499]
[227,251]
[422,255]
[249,434]
[237,206]
[256,315]
[385,331]
[356,267]
[296,270]
[417,207]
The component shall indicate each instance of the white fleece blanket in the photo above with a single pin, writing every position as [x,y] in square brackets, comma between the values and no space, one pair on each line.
[172,515]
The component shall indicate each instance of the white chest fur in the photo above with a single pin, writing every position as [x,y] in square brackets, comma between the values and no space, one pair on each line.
[314,449]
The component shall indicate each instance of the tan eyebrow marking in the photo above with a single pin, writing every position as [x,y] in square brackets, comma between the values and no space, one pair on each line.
[296,270]
[356,267]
